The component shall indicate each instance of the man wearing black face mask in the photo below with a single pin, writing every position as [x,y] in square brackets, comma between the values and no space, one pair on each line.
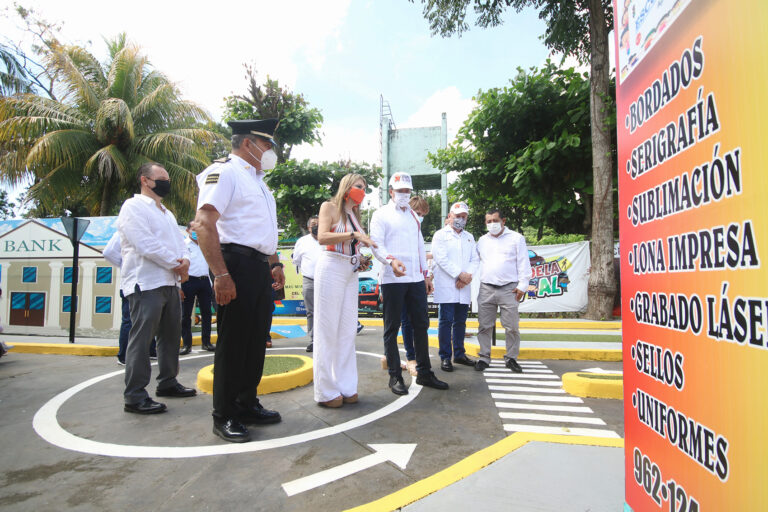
[155,262]
[304,256]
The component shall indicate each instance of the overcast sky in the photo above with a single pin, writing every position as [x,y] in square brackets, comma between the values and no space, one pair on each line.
[341,54]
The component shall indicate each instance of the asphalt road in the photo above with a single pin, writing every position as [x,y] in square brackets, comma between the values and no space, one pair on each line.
[35,474]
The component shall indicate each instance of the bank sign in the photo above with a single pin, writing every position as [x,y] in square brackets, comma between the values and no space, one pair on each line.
[32,240]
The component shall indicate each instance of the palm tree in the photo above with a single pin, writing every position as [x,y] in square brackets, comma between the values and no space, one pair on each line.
[110,119]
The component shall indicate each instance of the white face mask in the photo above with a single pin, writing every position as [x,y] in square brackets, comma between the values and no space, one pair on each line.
[402,198]
[494,228]
[268,159]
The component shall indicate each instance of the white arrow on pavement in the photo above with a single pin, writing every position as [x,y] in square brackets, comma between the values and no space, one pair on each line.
[600,370]
[399,454]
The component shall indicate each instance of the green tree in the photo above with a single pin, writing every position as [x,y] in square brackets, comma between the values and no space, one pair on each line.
[301,187]
[6,206]
[299,123]
[112,118]
[13,76]
[578,28]
[527,147]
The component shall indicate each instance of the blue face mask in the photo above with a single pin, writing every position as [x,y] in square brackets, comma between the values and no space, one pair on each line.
[193,235]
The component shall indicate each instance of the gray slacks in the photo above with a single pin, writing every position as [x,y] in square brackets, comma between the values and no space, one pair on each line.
[153,313]
[308,289]
[489,299]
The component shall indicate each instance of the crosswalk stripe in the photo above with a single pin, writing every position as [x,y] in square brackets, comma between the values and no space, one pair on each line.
[567,431]
[536,370]
[547,407]
[520,375]
[527,389]
[526,382]
[537,398]
[550,417]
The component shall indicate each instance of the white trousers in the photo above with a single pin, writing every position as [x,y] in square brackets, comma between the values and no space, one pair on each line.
[335,327]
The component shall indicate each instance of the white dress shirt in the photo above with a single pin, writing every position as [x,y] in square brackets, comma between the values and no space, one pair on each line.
[305,255]
[198,267]
[452,254]
[504,259]
[111,252]
[397,232]
[248,214]
[151,245]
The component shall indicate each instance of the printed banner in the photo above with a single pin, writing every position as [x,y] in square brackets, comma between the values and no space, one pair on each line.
[692,181]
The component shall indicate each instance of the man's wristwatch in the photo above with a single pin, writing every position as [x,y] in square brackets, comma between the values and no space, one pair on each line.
[276,264]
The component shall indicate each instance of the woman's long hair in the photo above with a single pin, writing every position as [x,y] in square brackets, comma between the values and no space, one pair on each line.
[340,198]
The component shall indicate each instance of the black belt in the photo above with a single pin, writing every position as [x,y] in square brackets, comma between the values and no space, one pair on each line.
[198,277]
[498,285]
[245,251]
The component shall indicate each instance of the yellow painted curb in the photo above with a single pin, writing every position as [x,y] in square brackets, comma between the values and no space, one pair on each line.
[579,354]
[594,385]
[472,464]
[70,349]
[524,324]
[301,376]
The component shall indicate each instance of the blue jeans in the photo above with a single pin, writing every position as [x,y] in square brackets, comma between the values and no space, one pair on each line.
[407,328]
[452,320]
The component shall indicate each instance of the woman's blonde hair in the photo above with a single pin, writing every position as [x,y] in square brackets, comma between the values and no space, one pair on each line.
[340,198]
[419,203]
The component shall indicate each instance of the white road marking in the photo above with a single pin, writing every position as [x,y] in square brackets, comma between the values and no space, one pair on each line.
[526,382]
[537,407]
[567,431]
[526,389]
[507,373]
[550,417]
[537,398]
[600,370]
[47,426]
[399,454]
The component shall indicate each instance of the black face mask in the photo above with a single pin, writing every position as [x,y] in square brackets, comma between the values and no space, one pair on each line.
[313,229]
[162,187]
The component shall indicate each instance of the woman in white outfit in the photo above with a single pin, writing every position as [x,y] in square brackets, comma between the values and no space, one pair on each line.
[341,234]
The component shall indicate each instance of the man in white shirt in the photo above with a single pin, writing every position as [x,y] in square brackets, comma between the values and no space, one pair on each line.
[236,225]
[305,255]
[154,263]
[504,277]
[198,286]
[455,262]
[397,232]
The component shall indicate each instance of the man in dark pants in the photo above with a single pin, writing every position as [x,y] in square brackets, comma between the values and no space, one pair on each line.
[198,286]
[397,232]
[236,225]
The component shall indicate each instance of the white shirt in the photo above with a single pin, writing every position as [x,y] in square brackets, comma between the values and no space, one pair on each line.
[198,267]
[151,245]
[248,214]
[305,255]
[397,232]
[504,259]
[452,254]
[111,252]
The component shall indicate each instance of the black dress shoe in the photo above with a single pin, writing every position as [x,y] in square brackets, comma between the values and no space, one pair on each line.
[464,360]
[258,415]
[231,430]
[446,365]
[148,406]
[512,365]
[177,391]
[209,347]
[397,385]
[481,365]
[185,350]
[309,347]
[429,380]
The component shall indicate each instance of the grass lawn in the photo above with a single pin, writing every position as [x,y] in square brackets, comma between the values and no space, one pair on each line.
[564,337]
[280,364]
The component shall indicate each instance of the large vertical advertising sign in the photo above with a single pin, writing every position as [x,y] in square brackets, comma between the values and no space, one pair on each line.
[692,104]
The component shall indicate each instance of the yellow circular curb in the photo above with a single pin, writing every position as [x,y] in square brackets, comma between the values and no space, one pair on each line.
[269,383]
[594,385]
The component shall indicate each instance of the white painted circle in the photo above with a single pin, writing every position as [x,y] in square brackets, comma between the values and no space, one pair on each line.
[47,426]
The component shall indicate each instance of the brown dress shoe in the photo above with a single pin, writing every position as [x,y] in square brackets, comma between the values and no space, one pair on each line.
[350,399]
[333,404]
